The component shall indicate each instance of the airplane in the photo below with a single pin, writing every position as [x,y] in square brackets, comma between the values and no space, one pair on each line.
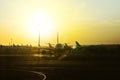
[76,48]
[58,48]
[61,50]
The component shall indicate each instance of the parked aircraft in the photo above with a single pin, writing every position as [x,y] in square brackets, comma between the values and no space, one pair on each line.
[58,48]
[76,48]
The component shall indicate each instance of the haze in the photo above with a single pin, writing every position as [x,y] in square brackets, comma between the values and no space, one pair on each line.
[87,21]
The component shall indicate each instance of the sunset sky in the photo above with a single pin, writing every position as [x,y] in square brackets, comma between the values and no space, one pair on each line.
[86,21]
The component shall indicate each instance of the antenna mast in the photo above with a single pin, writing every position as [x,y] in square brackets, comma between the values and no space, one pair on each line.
[57,37]
[39,39]
[38,35]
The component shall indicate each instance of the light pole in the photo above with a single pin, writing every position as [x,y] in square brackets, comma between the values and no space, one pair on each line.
[38,40]
[57,37]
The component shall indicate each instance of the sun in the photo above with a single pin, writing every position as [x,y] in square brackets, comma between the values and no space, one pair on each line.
[41,22]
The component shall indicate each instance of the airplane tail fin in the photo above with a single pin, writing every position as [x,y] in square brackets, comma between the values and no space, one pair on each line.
[66,44]
[50,46]
[77,43]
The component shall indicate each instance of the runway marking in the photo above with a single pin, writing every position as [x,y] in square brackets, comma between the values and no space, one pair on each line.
[39,74]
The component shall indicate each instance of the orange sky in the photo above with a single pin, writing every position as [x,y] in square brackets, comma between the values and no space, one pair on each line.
[87,21]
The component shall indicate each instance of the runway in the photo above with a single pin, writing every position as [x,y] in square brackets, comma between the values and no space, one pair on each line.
[56,69]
